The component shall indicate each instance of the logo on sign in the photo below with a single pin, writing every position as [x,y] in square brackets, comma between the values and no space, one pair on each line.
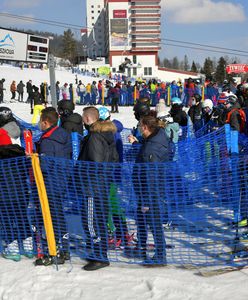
[6,43]
[120,14]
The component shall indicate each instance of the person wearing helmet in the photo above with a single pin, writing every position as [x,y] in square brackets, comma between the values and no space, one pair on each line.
[235,116]
[140,109]
[212,115]
[9,125]
[116,215]
[70,121]
[242,94]
[195,111]
[178,114]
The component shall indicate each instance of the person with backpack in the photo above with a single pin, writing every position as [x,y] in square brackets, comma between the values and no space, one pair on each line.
[235,116]
[195,111]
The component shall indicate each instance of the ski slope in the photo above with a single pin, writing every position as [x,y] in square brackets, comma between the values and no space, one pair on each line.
[119,281]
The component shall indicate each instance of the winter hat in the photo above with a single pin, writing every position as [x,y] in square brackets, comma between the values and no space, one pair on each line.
[65,107]
[163,116]
[161,107]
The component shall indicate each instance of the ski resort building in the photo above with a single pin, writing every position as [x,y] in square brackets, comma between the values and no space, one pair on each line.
[125,36]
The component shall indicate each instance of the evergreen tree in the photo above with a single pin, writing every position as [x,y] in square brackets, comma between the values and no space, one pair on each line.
[69,46]
[193,67]
[167,63]
[208,68]
[175,63]
[220,73]
[185,63]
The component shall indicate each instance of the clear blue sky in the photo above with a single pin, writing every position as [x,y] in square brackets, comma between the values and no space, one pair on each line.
[212,22]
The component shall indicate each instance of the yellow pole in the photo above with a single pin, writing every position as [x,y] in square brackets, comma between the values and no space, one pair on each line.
[168,95]
[203,93]
[135,95]
[47,219]
[102,95]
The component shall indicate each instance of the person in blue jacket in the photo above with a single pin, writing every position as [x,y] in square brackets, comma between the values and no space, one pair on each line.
[54,142]
[150,206]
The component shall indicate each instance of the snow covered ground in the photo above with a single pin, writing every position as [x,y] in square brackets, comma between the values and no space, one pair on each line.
[119,281]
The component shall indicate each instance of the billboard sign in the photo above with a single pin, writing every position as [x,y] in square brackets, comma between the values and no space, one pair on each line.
[23,47]
[119,32]
[119,14]
[237,68]
[13,45]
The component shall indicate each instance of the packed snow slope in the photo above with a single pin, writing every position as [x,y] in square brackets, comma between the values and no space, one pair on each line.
[23,281]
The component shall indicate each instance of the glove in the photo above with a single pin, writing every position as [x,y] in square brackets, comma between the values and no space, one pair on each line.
[32,111]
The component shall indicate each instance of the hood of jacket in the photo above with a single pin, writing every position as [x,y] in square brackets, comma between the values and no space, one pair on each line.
[119,126]
[73,118]
[103,126]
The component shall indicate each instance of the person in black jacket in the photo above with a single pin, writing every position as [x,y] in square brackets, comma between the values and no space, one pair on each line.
[177,113]
[195,111]
[37,103]
[54,142]
[98,146]
[156,148]
[70,121]
[29,87]
[20,90]
[1,90]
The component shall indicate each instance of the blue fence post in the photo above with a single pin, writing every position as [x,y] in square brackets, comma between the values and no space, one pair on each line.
[75,145]
[228,137]
[234,147]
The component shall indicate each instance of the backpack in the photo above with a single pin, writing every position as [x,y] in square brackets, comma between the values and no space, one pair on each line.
[242,114]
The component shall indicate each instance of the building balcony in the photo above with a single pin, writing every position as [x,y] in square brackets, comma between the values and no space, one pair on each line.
[134,7]
[148,15]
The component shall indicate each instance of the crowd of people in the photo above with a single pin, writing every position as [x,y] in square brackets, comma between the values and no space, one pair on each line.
[157,131]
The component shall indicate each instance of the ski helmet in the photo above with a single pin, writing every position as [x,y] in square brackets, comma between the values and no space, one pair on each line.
[176,100]
[140,110]
[197,97]
[5,115]
[65,107]
[208,103]
[232,99]
[104,113]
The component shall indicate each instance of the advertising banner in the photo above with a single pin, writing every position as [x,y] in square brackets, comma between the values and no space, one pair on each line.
[119,32]
[237,68]
[13,45]
[119,14]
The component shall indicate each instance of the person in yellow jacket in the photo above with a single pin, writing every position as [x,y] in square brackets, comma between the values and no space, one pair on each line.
[37,104]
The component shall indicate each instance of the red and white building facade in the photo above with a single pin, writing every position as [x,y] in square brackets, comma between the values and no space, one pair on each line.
[119,29]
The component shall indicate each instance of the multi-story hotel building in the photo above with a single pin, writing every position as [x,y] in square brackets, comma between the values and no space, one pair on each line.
[125,31]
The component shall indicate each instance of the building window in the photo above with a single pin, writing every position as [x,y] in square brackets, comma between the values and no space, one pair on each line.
[135,59]
[92,11]
[113,70]
[92,6]
[92,18]
[134,71]
[99,11]
[93,24]
[99,6]
[147,71]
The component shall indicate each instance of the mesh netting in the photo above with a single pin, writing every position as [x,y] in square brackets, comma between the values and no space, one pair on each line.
[182,212]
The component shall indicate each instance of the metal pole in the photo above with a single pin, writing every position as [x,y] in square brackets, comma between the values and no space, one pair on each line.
[51,65]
